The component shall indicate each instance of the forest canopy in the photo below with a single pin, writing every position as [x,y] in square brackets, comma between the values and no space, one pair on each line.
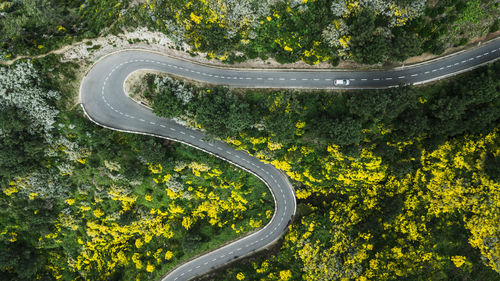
[392,184]
[367,32]
[397,183]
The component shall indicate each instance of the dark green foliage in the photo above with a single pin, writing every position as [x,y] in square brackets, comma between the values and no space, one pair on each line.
[280,127]
[492,166]
[220,113]
[405,44]
[37,26]
[368,46]
[19,150]
[167,104]
[345,131]
[434,114]
[24,259]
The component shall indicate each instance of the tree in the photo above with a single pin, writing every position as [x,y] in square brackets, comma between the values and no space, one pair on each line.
[166,104]
[368,44]
[27,21]
[240,117]
[405,44]
[341,131]
[212,111]
[27,117]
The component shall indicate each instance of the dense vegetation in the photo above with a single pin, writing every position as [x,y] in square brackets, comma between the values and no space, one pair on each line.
[400,183]
[234,30]
[31,27]
[79,202]
[321,30]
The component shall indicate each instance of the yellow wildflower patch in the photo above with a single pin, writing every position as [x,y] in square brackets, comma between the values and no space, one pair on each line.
[155,169]
[195,18]
[150,268]
[70,201]
[98,213]
[274,145]
[240,276]
[169,255]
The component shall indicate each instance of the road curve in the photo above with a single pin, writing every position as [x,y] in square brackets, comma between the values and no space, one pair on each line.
[104,102]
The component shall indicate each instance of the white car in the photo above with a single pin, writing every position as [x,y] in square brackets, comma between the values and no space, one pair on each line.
[341,82]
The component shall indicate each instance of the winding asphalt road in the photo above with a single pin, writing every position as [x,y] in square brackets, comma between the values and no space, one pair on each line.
[104,102]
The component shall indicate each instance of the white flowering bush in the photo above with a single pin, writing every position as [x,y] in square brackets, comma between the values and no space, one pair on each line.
[334,32]
[182,91]
[18,89]
[338,7]
[240,13]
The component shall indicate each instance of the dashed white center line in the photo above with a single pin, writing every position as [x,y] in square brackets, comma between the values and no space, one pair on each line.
[271,79]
